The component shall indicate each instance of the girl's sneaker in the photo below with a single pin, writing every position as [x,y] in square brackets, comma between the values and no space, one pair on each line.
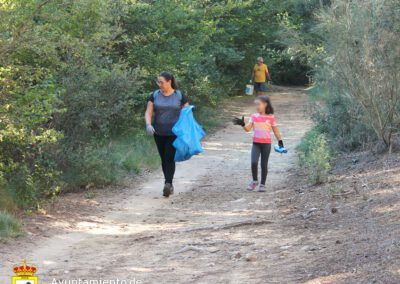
[261,188]
[252,185]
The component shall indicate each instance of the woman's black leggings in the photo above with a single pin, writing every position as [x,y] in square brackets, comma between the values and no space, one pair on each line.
[264,150]
[167,154]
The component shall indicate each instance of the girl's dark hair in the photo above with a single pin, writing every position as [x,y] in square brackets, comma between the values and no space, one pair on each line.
[169,77]
[269,109]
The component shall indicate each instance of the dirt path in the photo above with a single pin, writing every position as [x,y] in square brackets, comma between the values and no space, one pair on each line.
[210,231]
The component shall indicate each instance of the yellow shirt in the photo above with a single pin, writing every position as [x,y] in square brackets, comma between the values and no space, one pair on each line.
[260,73]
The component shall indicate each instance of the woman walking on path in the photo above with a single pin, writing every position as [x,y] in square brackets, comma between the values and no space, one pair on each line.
[165,105]
[262,122]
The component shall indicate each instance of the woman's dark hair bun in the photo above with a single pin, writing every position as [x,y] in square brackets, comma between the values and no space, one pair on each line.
[169,77]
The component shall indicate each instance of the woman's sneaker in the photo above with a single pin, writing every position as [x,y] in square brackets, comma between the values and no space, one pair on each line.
[261,188]
[252,185]
[168,189]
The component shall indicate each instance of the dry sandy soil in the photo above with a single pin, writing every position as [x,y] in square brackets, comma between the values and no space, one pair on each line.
[213,231]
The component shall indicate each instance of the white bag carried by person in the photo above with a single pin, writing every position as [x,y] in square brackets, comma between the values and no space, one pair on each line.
[249,89]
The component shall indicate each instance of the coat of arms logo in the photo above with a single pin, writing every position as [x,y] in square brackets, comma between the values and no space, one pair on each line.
[25,274]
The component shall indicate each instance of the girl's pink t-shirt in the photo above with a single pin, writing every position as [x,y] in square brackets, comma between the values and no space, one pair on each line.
[262,126]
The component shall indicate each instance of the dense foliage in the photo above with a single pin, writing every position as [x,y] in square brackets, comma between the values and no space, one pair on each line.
[361,70]
[74,76]
[354,47]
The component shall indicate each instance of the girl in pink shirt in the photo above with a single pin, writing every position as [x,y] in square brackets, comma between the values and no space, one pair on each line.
[262,122]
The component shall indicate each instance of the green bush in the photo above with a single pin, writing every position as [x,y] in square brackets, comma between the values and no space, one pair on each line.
[104,163]
[341,119]
[6,199]
[9,226]
[314,156]
[360,65]
[28,99]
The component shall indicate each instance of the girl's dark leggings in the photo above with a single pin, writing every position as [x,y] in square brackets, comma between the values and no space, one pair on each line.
[167,155]
[263,150]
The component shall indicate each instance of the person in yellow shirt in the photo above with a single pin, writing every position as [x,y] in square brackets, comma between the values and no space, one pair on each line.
[259,76]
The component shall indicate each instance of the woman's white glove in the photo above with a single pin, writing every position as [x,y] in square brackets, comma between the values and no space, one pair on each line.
[150,129]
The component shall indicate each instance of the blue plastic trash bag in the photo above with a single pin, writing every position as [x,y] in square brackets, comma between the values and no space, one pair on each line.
[188,135]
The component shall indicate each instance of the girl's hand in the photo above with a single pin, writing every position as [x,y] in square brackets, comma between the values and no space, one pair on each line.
[238,121]
[280,143]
